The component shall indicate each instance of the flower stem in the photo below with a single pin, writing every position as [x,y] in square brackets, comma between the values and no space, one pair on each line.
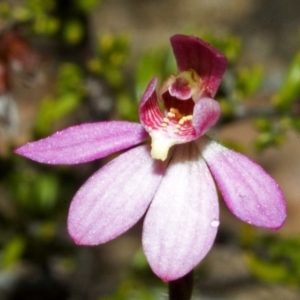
[181,289]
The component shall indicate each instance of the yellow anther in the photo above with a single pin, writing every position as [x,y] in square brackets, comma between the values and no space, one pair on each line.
[175,113]
[163,125]
[181,121]
[174,110]
[176,131]
[185,119]
[166,120]
[171,114]
[178,126]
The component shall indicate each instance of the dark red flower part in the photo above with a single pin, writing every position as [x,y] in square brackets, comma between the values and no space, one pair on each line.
[193,53]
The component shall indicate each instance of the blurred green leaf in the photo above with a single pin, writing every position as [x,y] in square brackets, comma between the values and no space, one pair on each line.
[266,271]
[46,190]
[45,230]
[290,89]
[126,107]
[12,251]
[111,54]
[70,79]
[263,124]
[133,290]
[39,6]
[5,10]
[70,90]
[73,31]
[275,259]
[35,192]
[45,24]
[52,110]
[159,63]
[296,123]
[267,139]
[226,107]
[139,261]
[150,65]
[87,5]
[21,14]
[249,80]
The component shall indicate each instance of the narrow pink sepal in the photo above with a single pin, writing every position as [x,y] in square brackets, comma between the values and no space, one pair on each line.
[193,53]
[249,192]
[115,197]
[84,142]
[205,115]
[181,223]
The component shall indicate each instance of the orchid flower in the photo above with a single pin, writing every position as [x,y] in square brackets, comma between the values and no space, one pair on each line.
[173,182]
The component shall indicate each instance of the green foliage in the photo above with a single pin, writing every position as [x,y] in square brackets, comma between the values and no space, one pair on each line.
[4,10]
[45,19]
[70,90]
[12,252]
[73,31]
[249,80]
[275,259]
[46,25]
[111,54]
[37,12]
[270,133]
[264,270]
[86,5]
[35,192]
[126,107]
[153,63]
[109,62]
[133,290]
[290,89]
[39,6]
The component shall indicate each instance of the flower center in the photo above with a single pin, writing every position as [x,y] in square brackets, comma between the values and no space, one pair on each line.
[179,93]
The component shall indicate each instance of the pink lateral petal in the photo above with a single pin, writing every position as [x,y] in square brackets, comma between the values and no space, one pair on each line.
[115,197]
[249,192]
[150,114]
[205,115]
[193,53]
[84,142]
[181,223]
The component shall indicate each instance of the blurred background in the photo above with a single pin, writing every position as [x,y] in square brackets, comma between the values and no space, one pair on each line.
[66,62]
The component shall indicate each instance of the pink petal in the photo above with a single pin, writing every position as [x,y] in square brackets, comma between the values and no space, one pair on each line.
[181,223]
[205,115]
[150,114]
[84,142]
[249,192]
[193,53]
[115,197]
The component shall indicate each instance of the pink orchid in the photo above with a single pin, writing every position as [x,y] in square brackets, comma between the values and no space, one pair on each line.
[173,183]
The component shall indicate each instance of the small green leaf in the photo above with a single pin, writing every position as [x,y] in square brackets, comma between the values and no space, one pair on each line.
[73,32]
[290,89]
[87,5]
[44,24]
[249,80]
[266,271]
[12,252]
[126,107]
[263,124]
